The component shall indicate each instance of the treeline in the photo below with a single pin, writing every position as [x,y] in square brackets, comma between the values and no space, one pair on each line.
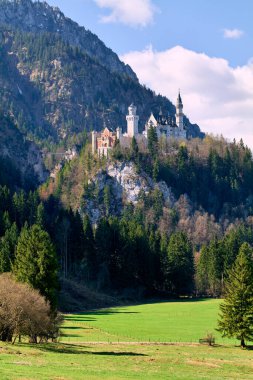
[215,174]
[218,183]
[125,255]
[216,259]
[40,241]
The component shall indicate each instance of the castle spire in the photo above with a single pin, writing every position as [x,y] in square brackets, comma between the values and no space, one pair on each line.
[179,99]
[179,112]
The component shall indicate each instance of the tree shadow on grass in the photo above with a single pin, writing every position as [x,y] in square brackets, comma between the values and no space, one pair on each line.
[74,349]
[79,318]
[69,335]
[118,353]
[74,328]
[90,316]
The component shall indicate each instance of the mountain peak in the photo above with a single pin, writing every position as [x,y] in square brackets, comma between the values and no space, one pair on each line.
[38,17]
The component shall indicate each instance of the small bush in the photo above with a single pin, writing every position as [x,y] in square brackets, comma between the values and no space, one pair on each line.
[208,339]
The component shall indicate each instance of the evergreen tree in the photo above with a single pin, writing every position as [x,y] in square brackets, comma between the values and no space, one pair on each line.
[155,171]
[152,141]
[103,251]
[236,318]
[7,248]
[202,280]
[40,215]
[107,199]
[6,220]
[180,262]
[215,267]
[36,262]
[134,148]
[89,254]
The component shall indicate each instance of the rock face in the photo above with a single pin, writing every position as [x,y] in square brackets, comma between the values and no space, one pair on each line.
[39,17]
[125,185]
[128,181]
[22,154]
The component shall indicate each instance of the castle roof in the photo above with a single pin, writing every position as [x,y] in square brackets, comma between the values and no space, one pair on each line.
[163,120]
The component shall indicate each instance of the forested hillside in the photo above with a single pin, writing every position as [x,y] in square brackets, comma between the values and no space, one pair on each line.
[162,218]
[169,240]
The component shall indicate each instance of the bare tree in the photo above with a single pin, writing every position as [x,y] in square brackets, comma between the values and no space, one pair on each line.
[24,312]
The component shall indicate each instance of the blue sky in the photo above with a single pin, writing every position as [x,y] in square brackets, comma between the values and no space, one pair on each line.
[203,47]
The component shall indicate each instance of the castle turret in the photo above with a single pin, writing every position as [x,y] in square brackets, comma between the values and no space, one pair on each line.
[94,141]
[119,133]
[132,121]
[179,113]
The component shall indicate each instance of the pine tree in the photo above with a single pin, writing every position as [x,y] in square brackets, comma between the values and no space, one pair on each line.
[155,171]
[36,262]
[89,248]
[134,147]
[236,318]
[180,262]
[107,199]
[7,248]
[40,215]
[152,141]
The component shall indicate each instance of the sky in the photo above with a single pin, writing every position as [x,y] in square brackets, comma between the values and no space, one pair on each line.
[203,47]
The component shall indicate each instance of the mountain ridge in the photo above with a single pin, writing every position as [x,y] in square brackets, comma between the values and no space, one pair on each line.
[37,16]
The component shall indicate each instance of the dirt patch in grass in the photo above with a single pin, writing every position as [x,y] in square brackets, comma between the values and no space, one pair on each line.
[202,363]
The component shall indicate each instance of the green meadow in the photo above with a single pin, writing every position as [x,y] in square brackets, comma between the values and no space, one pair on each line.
[179,321]
[127,343]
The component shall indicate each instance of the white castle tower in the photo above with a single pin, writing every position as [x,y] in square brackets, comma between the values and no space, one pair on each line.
[132,121]
[179,113]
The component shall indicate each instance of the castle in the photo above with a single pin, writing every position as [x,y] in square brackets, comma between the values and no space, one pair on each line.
[167,126]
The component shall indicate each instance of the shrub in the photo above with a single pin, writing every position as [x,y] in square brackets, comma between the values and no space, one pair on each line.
[25,312]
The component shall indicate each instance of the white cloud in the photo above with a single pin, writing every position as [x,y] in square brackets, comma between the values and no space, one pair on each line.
[216,96]
[233,33]
[129,12]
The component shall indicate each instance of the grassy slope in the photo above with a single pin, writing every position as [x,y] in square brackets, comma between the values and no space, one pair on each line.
[73,362]
[163,321]
[186,321]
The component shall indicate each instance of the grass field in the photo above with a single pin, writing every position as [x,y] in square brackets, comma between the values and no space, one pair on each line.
[79,356]
[184,321]
[75,362]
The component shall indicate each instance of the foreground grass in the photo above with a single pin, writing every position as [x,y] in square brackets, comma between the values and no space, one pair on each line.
[108,361]
[80,356]
[184,321]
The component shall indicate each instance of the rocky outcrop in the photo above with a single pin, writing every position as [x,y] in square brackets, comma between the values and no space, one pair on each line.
[125,185]
[129,183]
[22,154]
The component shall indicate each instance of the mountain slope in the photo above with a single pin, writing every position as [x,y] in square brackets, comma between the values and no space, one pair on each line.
[38,17]
[54,90]
[21,164]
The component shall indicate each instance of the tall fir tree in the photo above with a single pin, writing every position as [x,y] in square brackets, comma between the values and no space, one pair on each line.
[134,148]
[89,254]
[236,317]
[7,248]
[152,141]
[180,263]
[36,262]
